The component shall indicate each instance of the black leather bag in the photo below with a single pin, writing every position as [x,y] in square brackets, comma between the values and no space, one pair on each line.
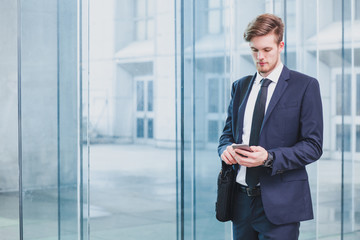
[227,177]
[225,192]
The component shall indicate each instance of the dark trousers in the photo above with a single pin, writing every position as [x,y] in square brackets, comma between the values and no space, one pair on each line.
[251,223]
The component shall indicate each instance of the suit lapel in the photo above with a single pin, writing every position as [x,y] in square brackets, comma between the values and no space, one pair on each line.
[279,90]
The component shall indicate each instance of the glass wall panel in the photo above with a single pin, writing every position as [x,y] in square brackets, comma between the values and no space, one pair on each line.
[71,141]
[9,170]
[206,78]
[350,158]
[50,154]
[149,86]
[132,120]
[39,119]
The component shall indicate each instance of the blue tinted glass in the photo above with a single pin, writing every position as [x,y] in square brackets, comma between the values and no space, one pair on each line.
[357,138]
[150,128]
[343,136]
[357,94]
[213,93]
[213,131]
[9,170]
[346,95]
[140,128]
[150,96]
[140,96]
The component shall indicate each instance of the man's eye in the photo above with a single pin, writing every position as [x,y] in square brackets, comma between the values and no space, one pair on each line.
[267,50]
[254,50]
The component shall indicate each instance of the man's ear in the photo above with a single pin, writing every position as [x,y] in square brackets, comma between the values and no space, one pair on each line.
[281,45]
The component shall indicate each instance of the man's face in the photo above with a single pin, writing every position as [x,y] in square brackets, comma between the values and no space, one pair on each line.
[266,53]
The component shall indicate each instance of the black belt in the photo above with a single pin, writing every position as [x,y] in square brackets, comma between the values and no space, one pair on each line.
[251,192]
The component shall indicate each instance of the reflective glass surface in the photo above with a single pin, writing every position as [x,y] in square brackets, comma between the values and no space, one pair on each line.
[9,170]
[112,110]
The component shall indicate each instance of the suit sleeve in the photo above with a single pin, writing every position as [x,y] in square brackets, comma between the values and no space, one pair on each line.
[309,147]
[227,137]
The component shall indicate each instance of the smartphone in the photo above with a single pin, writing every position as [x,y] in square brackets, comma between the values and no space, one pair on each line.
[242,146]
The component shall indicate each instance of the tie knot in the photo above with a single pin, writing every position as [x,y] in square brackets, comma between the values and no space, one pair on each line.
[265,82]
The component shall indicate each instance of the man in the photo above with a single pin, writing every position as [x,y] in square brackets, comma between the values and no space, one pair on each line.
[280,117]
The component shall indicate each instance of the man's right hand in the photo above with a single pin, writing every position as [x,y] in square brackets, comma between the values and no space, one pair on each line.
[229,155]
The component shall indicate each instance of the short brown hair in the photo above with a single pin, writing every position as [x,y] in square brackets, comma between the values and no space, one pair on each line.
[263,25]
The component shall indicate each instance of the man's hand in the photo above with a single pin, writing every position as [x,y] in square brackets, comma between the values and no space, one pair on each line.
[243,157]
[251,159]
[229,156]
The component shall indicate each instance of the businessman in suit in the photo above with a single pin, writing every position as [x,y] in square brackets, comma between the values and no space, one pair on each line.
[280,117]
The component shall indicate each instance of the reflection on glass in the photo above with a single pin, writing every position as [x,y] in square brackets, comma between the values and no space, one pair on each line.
[133,177]
[140,30]
[357,94]
[358,140]
[215,16]
[151,7]
[144,23]
[150,28]
[213,131]
[140,127]
[150,127]
[337,14]
[214,3]
[213,95]
[343,135]
[9,162]
[346,95]
[140,96]
[214,24]
[225,93]
[150,96]
[137,199]
[140,6]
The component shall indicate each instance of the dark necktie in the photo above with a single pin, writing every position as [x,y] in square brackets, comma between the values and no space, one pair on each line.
[252,174]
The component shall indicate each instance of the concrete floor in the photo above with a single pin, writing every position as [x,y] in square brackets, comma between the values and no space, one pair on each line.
[133,196]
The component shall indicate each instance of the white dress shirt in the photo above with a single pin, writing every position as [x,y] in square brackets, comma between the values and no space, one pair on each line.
[249,109]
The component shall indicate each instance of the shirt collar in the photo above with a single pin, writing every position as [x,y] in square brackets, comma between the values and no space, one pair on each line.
[273,76]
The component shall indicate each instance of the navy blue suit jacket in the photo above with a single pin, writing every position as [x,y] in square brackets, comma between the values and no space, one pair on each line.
[293,132]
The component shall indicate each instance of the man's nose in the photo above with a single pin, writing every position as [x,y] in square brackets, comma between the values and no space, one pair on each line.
[260,55]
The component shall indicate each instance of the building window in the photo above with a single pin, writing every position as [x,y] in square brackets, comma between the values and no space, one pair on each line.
[347,111]
[213,131]
[140,127]
[337,10]
[150,127]
[218,96]
[214,95]
[140,96]
[150,96]
[215,18]
[144,20]
[358,138]
[343,135]
[357,9]
[358,94]
[346,95]
[144,108]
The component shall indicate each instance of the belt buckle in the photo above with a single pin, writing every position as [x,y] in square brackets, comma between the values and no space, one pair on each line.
[250,193]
